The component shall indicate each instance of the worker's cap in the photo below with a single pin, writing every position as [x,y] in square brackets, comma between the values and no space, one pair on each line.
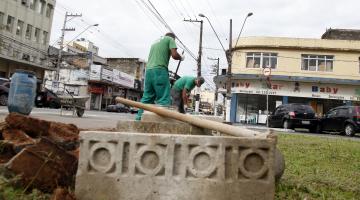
[200,79]
[170,34]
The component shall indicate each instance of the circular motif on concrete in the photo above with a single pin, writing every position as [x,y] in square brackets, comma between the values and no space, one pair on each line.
[253,163]
[202,162]
[149,160]
[101,157]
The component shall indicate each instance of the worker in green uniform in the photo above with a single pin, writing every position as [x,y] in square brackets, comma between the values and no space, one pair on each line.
[157,84]
[182,87]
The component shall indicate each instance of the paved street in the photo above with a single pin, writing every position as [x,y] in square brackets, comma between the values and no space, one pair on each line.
[105,120]
[90,120]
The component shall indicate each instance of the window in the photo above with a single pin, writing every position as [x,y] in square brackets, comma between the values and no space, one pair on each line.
[37,35]
[24,2]
[41,7]
[261,60]
[20,28]
[44,38]
[32,4]
[323,63]
[1,19]
[49,10]
[331,113]
[359,62]
[28,33]
[10,24]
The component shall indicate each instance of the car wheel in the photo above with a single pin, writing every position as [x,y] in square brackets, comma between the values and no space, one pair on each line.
[3,99]
[315,129]
[349,130]
[286,124]
[80,112]
[270,125]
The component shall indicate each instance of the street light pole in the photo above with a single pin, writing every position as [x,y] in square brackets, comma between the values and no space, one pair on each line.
[229,55]
[216,86]
[228,75]
[197,96]
[63,30]
[248,15]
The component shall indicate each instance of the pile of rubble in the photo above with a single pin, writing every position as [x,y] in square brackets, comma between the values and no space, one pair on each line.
[41,154]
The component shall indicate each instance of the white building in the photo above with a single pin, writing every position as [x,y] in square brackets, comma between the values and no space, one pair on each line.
[25,27]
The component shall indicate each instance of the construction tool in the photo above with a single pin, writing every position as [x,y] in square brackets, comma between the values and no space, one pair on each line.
[174,76]
[203,123]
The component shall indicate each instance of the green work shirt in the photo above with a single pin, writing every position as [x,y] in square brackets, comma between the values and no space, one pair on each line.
[160,52]
[186,82]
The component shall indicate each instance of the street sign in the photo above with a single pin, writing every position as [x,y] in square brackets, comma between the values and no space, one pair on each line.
[267,71]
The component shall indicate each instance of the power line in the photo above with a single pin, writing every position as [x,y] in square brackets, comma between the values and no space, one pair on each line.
[162,20]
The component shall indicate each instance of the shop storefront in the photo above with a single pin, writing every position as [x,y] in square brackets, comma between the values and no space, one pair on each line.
[251,98]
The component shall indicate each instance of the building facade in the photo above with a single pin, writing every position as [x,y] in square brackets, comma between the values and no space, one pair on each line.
[134,67]
[25,27]
[323,73]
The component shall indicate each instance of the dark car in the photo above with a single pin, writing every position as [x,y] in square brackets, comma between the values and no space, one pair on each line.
[47,98]
[343,119]
[133,110]
[294,115]
[4,91]
[118,108]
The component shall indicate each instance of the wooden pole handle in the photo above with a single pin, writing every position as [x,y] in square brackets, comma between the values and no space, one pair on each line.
[203,123]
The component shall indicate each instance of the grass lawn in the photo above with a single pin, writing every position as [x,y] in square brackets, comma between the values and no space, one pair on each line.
[319,168]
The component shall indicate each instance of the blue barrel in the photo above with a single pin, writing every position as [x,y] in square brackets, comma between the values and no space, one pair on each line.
[22,92]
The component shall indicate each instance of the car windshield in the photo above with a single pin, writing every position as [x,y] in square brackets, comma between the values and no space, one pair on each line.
[302,108]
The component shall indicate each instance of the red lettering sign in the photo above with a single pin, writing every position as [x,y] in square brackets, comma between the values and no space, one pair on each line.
[96,90]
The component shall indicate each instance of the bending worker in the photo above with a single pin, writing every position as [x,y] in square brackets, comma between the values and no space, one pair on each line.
[157,84]
[182,87]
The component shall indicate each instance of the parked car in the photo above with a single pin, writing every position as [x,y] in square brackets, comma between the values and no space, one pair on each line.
[4,91]
[343,119]
[133,110]
[294,115]
[47,98]
[118,108]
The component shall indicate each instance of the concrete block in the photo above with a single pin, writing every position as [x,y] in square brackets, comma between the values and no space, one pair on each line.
[136,166]
[160,127]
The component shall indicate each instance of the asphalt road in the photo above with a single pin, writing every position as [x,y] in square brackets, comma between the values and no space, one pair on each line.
[90,120]
[107,120]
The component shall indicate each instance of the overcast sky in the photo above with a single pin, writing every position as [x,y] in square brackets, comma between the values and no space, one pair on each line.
[127,28]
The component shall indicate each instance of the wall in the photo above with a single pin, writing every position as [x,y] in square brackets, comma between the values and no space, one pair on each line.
[131,66]
[346,55]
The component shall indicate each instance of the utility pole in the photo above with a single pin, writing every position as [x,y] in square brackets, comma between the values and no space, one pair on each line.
[197,96]
[228,74]
[57,76]
[216,86]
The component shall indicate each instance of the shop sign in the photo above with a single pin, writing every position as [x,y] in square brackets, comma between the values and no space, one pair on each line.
[96,90]
[95,72]
[106,74]
[329,90]
[123,79]
[298,89]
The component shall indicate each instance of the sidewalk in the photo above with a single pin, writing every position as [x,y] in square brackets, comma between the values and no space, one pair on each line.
[261,127]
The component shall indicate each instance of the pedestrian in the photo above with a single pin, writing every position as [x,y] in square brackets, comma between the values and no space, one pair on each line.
[157,83]
[182,87]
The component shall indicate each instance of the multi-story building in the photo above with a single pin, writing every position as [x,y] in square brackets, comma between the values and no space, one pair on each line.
[25,27]
[75,75]
[324,73]
[134,67]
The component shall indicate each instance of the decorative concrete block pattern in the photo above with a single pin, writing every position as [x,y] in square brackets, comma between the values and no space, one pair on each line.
[161,127]
[133,166]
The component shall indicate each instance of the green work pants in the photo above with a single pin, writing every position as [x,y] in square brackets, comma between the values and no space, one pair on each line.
[156,88]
